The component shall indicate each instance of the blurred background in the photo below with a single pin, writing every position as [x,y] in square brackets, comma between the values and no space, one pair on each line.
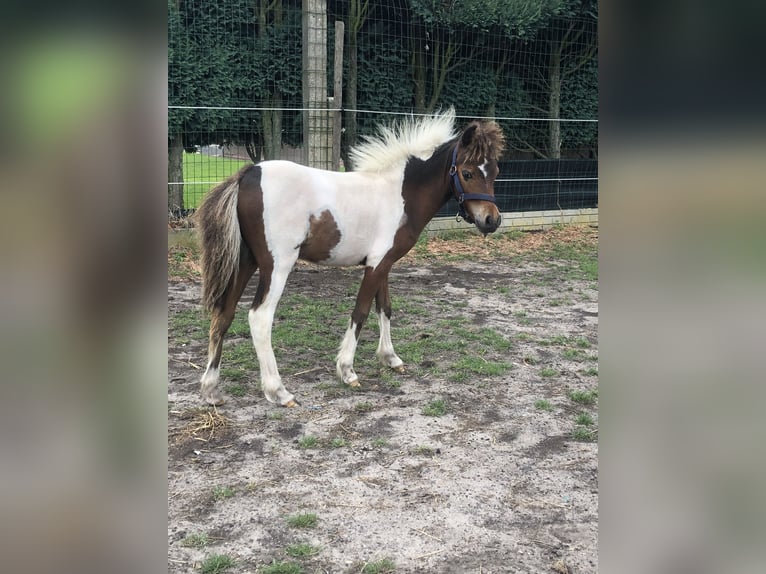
[84,171]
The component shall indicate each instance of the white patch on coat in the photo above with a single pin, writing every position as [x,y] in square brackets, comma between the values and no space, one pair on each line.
[483,168]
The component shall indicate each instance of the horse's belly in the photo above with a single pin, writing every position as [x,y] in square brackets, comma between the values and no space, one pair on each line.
[361,245]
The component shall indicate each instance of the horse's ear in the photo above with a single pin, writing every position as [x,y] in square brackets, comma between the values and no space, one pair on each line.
[468,134]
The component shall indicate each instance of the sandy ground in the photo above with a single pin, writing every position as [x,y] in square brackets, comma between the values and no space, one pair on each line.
[494,485]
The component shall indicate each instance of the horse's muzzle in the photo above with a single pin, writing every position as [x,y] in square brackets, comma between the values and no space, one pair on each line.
[489,224]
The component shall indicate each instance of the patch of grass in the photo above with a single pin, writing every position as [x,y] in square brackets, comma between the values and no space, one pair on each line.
[548,372]
[281,568]
[275,416]
[435,408]
[216,563]
[301,550]
[236,390]
[573,354]
[584,434]
[382,566]
[364,407]
[203,168]
[379,442]
[308,441]
[530,360]
[304,520]
[191,322]
[583,397]
[338,442]
[591,371]
[543,405]
[221,492]
[196,540]
[584,419]
[423,449]
[582,342]
[503,290]
[475,365]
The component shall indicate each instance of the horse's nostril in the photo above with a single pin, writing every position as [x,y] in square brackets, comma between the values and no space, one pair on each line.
[488,221]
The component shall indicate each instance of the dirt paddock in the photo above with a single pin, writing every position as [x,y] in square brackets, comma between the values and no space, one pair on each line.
[480,458]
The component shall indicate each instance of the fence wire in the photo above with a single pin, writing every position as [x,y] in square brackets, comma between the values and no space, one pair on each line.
[242,87]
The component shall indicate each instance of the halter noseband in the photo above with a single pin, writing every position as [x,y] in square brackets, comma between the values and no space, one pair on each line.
[460,194]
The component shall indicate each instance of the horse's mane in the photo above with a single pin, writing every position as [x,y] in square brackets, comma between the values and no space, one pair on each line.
[392,145]
[482,140]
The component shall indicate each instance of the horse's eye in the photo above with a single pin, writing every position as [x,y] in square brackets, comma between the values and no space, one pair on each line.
[467,174]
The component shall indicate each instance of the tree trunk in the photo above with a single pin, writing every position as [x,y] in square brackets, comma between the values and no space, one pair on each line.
[176,175]
[554,106]
[352,130]
[272,118]
[419,75]
[272,127]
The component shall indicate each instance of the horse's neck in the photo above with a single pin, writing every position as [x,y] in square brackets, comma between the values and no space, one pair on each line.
[428,190]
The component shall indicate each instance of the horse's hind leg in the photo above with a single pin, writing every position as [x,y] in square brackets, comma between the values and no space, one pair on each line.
[385,352]
[222,316]
[261,318]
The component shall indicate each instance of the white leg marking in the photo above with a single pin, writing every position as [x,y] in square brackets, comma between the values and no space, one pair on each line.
[260,320]
[345,363]
[210,394]
[385,352]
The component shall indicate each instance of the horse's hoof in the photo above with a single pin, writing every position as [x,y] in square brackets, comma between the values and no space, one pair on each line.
[355,383]
[292,403]
[400,369]
[215,400]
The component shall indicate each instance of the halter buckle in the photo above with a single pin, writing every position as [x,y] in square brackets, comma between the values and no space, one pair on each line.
[453,169]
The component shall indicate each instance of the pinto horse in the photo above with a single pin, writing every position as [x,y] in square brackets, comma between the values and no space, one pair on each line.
[269,215]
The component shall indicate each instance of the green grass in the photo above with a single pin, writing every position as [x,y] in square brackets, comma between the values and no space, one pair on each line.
[584,419]
[548,372]
[379,442]
[583,397]
[216,563]
[308,441]
[466,367]
[543,405]
[301,550]
[196,540]
[221,492]
[203,168]
[305,520]
[382,566]
[338,442]
[281,568]
[423,449]
[584,434]
[364,407]
[235,390]
[435,408]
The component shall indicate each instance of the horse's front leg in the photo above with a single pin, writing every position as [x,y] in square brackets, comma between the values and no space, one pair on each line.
[373,278]
[385,352]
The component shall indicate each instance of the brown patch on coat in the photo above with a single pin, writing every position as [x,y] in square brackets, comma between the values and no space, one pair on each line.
[322,237]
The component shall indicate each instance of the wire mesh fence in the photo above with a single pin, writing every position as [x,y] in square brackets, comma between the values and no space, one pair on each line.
[281,79]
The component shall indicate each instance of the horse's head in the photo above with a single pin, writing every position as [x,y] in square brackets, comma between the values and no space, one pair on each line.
[473,170]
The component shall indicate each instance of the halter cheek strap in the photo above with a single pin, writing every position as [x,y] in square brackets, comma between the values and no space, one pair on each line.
[460,193]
